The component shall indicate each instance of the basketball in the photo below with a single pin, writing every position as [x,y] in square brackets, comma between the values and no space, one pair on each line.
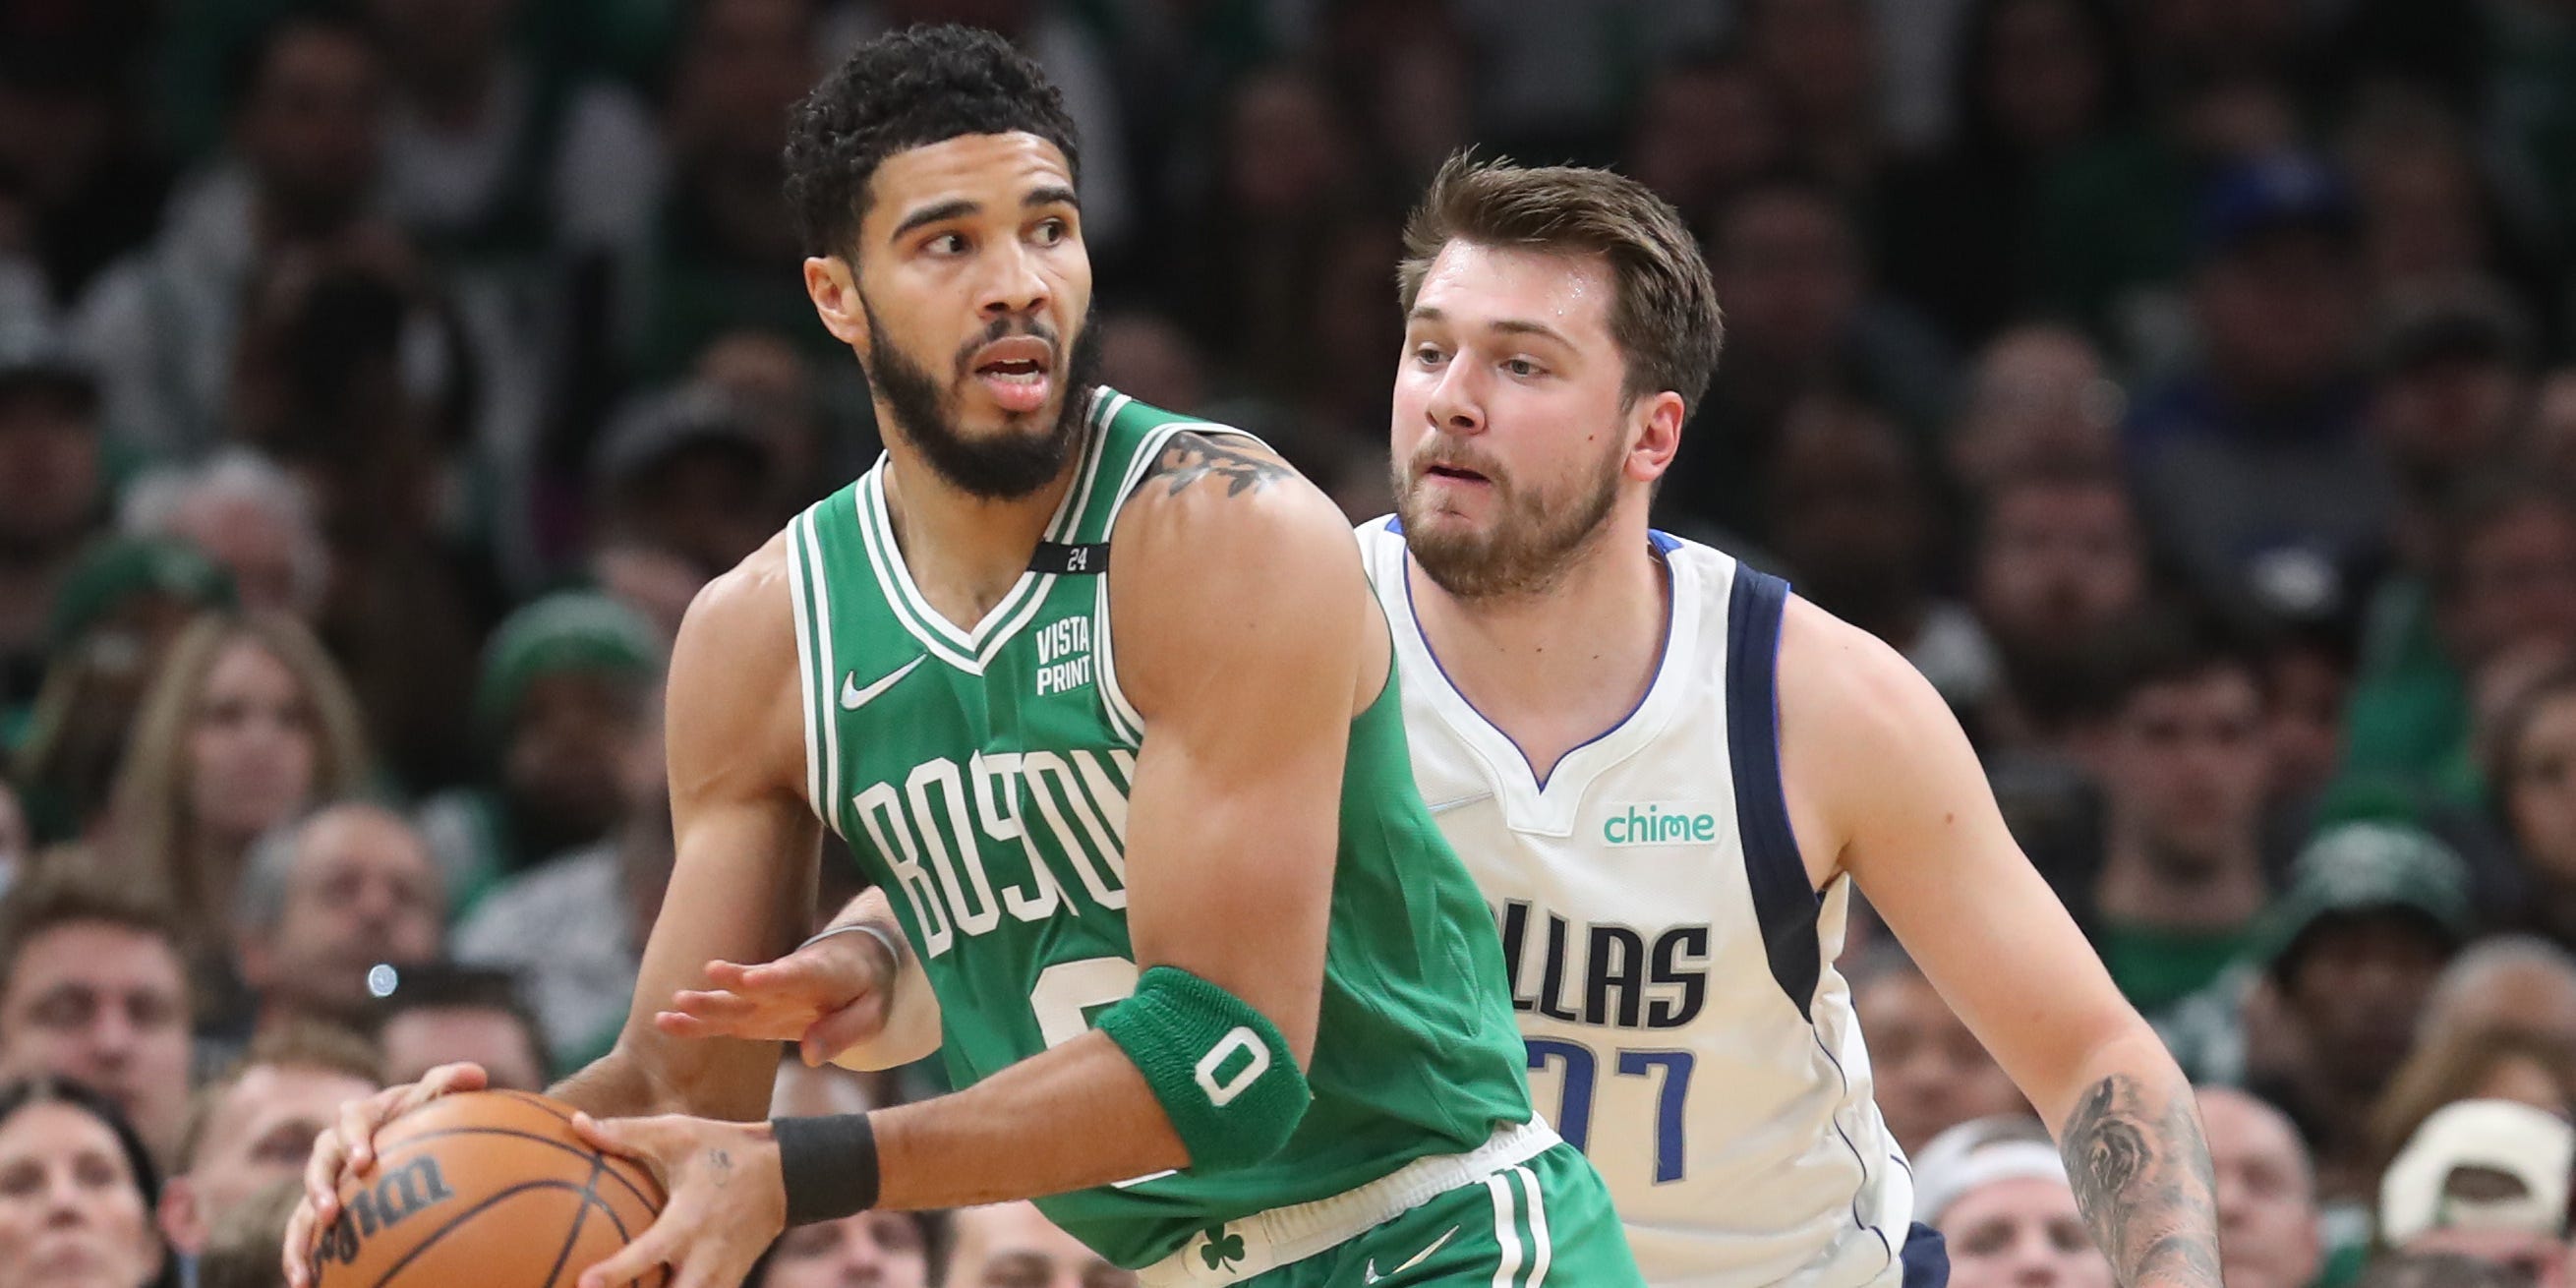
[488,1189]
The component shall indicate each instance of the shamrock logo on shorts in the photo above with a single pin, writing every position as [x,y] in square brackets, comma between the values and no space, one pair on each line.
[1222,1249]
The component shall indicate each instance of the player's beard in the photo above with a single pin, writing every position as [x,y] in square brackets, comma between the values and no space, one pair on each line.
[1533,538]
[1003,466]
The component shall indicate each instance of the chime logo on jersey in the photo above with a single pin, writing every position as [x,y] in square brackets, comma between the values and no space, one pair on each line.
[1660,823]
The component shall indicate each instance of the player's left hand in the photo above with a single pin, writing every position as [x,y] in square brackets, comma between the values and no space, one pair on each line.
[727,1199]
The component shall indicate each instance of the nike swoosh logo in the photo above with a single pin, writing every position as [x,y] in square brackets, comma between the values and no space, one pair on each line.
[1417,1259]
[853,697]
[1459,802]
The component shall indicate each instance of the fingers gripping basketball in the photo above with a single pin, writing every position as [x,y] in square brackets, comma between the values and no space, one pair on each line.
[484,1190]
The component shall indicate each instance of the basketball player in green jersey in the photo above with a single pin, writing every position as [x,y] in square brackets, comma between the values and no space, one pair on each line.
[1101,697]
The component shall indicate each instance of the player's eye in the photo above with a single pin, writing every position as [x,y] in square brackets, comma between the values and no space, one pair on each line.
[1522,367]
[946,244]
[1427,355]
[1051,231]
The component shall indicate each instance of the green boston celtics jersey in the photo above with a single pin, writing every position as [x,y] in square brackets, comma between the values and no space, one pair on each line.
[981,777]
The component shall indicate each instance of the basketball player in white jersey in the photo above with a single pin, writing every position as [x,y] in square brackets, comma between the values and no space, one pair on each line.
[1669,774]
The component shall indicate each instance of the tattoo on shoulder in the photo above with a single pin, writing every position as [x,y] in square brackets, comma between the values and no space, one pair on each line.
[1188,457]
[2142,1178]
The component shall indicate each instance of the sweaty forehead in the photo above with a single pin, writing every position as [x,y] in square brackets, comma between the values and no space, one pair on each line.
[995,171]
[1475,285]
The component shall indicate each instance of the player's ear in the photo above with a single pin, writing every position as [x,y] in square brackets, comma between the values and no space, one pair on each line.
[834,288]
[1656,421]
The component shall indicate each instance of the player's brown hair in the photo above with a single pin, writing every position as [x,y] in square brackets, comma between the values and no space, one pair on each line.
[61,894]
[297,1044]
[1664,313]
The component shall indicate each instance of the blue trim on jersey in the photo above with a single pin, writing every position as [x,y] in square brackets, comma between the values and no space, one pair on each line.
[1927,1258]
[1537,778]
[1664,542]
[1784,903]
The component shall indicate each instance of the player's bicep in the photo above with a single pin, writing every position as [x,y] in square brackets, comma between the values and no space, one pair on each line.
[1921,834]
[1242,645]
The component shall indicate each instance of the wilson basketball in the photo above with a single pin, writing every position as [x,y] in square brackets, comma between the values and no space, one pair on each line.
[486,1189]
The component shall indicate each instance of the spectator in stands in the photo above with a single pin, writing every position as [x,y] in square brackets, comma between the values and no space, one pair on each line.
[77,1190]
[2353,948]
[491,160]
[572,930]
[2307,678]
[1800,317]
[1822,60]
[248,724]
[881,1249]
[162,324]
[566,685]
[253,1126]
[2171,889]
[2268,1235]
[1997,1191]
[722,232]
[327,902]
[118,616]
[2060,563]
[242,1251]
[1851,513]
[2034,79]
[2253,465]
[92,987]
[685,470]
[2455,1063]
[2431,215]
[1931,1072]
[51,481]
[2504,981]
[2502,593]
[1705,131]
[83,169]
[1013,1245]
[247,515]
[2450,388]
[436,1014]
[2039,397]
[2486,1179]
[2534,783]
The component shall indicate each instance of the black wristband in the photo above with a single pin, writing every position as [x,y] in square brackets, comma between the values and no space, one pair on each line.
[827,1165]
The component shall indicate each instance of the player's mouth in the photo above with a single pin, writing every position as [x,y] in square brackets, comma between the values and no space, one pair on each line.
[1455,474]
[1018,371]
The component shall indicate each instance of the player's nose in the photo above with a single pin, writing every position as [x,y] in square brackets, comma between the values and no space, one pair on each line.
[1014,286]
[1454,406]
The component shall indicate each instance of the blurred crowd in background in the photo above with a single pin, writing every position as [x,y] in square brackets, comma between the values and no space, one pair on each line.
[2187,386]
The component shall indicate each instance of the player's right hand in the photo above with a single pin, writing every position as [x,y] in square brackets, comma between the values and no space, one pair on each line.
[348,1148]
[825,997]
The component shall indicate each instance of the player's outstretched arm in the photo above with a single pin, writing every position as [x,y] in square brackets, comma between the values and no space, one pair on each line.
[745,845]
[1870,749]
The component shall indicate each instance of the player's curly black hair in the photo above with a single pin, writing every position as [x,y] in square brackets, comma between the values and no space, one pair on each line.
[908,89]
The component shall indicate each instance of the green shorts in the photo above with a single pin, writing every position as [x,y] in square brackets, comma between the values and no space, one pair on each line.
[1544,1220]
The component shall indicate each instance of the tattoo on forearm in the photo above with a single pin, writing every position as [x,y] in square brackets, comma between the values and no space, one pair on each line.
[1191,457]
[2142,1179]
[720,1162]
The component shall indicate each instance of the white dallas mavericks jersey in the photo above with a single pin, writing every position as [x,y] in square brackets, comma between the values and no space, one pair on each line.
[1671,965]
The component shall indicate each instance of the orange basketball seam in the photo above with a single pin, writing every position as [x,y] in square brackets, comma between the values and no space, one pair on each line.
[488,1201]
[572,1235]
[578,1151]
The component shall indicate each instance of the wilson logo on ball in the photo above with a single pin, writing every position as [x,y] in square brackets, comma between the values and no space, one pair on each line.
[403,1191]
